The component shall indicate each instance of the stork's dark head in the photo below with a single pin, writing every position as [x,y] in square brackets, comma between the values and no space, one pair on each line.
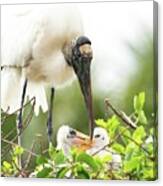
[81,63]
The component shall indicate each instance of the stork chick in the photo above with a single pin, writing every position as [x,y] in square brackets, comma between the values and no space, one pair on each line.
[68,138]
[99,147]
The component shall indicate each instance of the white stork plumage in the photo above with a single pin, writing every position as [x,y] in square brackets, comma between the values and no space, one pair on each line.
[42,45]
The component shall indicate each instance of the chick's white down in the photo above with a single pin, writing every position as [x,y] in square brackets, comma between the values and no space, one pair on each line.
[34,36]
[101,140]
[65,139]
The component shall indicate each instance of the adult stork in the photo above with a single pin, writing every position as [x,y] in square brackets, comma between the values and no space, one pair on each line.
[43,45]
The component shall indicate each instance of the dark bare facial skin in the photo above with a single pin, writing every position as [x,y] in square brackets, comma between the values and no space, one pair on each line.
[81,62]
[72,133]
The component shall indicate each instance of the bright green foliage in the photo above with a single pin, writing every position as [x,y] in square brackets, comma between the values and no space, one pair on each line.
[118,148]
[12,168]
[139,134]
[85,158]
[135,146]
[139,101]
[41,160]
[111,125]
[18,150]
[44,172]
[7,168]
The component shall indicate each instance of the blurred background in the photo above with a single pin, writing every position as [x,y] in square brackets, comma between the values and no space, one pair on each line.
[123,63]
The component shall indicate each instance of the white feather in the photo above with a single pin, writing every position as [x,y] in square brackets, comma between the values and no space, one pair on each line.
[37,90]
[35,35]
[10,90]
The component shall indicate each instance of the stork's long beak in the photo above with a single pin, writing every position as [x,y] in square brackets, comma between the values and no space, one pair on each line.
[82,70]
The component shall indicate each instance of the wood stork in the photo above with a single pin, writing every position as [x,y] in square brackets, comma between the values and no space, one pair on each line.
[43,45]
[68,138]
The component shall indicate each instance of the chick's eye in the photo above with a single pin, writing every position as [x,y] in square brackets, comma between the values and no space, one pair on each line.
[97,135]
[72,132]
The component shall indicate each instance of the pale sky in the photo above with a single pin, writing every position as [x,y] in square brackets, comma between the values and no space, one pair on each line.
[109,26]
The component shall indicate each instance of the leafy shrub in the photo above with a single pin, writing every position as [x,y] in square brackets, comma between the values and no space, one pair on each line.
[135,146]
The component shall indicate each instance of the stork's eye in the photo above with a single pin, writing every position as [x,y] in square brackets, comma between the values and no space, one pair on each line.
[72,132]
[97,135]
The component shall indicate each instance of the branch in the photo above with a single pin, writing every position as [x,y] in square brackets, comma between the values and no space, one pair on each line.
[9,134]
[140,146]
[116,137]
[29,156]
[3,119]
[121,115]
[32,99]
[27,120]
[14,144]
[29,116]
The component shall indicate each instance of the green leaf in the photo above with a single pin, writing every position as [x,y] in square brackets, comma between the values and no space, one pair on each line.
[112,125]
[136,106]
[7,165]
[59,158]
[142,118]
[119,148]
[61,173]
[7,168]
[125,131]
[82,173]
[101,123]
[150,149]
[85,158]
[131,164]
[142,98]
[139,102]
[100,160]
[18,150]
[41,160]
[44,172]
[106,158]
[130,149]
[51,151]
[139,134]
[149,173]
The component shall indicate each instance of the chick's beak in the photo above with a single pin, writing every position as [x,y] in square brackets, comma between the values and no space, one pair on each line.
[82,141]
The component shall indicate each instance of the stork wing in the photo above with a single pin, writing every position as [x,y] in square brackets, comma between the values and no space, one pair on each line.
[22,39]
[19,31]
[20,27]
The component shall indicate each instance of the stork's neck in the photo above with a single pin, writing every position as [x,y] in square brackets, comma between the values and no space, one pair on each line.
[67,51]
